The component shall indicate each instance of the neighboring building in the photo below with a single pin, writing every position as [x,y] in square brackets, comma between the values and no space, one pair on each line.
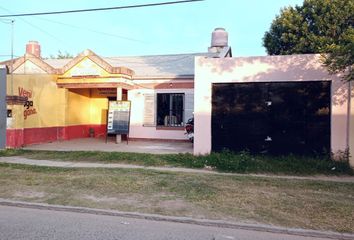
[270,104]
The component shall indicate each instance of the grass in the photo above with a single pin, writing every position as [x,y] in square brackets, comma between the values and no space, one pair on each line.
[242,162]
[291,203]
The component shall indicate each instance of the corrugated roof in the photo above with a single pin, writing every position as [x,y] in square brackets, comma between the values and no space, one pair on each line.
[149,66]
[57,63]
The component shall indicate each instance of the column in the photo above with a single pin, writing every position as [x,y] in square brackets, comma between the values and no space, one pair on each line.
[119,97]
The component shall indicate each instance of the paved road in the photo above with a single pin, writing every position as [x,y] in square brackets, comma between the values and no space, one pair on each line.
[24,223]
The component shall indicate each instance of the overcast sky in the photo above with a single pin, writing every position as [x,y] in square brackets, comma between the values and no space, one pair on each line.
[182,28]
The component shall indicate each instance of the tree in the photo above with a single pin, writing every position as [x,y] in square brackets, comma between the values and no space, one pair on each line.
[318,26]
[61,55]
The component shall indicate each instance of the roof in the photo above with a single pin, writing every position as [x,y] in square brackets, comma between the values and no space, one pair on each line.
[149,66]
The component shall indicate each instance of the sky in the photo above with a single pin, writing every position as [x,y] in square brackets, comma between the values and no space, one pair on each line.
[169,29]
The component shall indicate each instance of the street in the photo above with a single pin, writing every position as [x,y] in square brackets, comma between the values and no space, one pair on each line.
[25,223]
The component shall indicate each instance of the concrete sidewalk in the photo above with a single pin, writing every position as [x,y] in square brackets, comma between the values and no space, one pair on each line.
[68,164]
[99,144]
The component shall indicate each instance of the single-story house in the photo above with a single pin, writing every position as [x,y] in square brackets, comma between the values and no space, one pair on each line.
[268,104]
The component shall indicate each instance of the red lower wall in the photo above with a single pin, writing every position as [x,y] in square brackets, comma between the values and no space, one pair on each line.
[16,138]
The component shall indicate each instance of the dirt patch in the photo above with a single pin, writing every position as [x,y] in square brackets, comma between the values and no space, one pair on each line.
[29,194]
[100,199]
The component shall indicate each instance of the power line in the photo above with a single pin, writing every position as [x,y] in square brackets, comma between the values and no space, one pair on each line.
[44,31]
[40,29]
[64,24]
[99,9]
[91,30]
[7,55]
[6,21]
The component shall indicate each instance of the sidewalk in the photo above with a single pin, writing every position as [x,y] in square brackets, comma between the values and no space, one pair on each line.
[99,144]
[67,164]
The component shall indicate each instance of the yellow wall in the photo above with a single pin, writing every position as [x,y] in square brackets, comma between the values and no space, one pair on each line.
[48,101]
[86,106]
[78,107]
[53,106]
[99,107]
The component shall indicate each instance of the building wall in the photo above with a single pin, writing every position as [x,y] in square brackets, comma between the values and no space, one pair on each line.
[86,109]
[266,69]
[351,125]
[52,113]
[40,118]
[140,130]
[73,111]
[29,67]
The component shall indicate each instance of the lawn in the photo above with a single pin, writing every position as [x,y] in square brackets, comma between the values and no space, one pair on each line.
[242,162]
[284,202]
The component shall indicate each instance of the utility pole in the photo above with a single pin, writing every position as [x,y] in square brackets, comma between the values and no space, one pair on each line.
[12,56]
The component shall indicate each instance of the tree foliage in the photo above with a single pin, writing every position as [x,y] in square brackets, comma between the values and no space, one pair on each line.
[61,55]
[318,26]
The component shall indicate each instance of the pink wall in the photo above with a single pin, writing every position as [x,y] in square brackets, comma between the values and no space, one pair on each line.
[137,128]
[264,69]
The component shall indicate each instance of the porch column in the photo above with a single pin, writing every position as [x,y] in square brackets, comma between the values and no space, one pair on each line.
[119,97]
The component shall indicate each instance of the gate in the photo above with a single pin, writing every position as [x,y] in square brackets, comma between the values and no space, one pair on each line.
[272,117]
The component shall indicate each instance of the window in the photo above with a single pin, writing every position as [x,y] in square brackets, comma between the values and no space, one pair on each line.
[170,109]
[9,113]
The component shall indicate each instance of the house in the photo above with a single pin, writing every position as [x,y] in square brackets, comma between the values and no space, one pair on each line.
[68,98]
[268,104]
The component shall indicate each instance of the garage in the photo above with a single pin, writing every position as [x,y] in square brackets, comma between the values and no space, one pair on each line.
[272,117]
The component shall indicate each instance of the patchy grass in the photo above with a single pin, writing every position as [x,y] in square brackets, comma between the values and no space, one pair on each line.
[242,162]
[290,203]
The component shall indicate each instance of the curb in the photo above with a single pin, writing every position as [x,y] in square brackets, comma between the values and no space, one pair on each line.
[201,222]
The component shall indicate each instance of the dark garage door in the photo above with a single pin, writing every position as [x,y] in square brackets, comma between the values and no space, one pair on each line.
[274,118]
